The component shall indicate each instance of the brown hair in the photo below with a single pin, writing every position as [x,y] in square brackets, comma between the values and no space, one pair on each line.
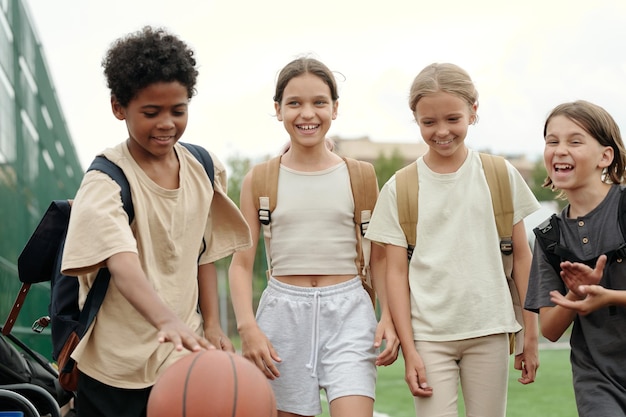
[602,127]
[301,66]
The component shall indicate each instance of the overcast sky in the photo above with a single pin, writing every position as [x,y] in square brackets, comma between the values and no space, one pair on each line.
[525,57]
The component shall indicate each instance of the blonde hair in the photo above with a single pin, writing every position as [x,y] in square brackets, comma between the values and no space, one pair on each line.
[444,77]
[596,121]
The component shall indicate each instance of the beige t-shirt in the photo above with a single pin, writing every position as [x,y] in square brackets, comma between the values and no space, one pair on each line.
[457,285]
[121,348]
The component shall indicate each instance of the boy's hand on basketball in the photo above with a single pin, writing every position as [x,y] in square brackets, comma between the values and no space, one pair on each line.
[415,375]
[387,332]
[182,337]
[575,274]
[256,347]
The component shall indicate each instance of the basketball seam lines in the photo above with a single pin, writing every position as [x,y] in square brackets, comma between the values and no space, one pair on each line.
[187,377]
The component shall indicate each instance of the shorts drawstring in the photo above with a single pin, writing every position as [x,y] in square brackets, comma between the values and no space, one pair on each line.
[315,334]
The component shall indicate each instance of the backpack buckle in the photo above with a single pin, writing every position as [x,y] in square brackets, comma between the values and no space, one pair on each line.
[506,246]
[40,324]
[621,251]
[409,252]
[265,216]
[363,226]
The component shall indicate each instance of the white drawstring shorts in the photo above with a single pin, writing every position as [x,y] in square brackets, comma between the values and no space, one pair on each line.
[325,338]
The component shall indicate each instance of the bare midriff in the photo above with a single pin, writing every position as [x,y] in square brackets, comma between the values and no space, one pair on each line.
[313,280]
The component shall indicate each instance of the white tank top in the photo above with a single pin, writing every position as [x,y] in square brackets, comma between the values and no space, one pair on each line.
[313,230]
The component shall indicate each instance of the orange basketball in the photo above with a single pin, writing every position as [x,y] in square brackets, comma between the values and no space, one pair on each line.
[212,383]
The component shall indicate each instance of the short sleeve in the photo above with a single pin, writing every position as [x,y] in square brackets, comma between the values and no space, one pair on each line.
[98,226]
[384,226]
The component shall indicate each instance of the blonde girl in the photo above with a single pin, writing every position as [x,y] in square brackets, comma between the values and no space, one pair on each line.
[451,304]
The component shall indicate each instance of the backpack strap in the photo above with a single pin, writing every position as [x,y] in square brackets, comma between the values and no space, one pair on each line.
[204,157]
[102,164]
[407,191]
[497,176]
[547,236]
[264,192]
[364,185]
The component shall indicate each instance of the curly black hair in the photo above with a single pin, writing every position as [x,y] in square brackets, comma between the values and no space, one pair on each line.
[145,57]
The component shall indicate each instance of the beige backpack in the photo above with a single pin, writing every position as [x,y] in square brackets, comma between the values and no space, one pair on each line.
[496,173]
[364,191]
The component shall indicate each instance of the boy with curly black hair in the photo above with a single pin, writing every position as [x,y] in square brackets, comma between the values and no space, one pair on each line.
[161,301]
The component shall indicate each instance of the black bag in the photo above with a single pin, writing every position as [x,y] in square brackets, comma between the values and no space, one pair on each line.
[29,367]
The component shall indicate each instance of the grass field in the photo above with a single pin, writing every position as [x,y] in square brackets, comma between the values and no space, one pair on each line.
[551,395]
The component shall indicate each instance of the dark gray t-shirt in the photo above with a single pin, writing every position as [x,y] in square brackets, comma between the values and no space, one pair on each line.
[598,340]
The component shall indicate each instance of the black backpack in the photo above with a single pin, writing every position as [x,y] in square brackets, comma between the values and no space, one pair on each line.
[40,261]
[548,236]
[28,373]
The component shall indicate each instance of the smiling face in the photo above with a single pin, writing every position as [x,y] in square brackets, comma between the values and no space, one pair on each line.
[443,119]
[306,110]
[573,158]
[155,118]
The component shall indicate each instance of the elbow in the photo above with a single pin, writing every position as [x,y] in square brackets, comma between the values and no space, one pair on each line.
[550,336]
[551,333]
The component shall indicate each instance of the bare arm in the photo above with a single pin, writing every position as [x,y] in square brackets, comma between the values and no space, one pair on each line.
[385,330]
[528,360]
[210,308]
[130,279]
[255,345]
[400,307]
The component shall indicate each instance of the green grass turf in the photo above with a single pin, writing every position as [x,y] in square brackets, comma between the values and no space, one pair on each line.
[551,395]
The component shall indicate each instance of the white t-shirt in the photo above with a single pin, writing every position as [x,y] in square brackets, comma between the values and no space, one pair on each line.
[456,278]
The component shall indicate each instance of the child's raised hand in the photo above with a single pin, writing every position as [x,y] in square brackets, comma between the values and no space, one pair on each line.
[596,297]
[575,274]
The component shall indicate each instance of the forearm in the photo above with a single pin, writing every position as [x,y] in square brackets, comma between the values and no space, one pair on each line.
[404,329]
[208,295]
[131,281]
[616,297]
[398,293]
[378,271]
[555,320]
[522,259]
[240,281]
